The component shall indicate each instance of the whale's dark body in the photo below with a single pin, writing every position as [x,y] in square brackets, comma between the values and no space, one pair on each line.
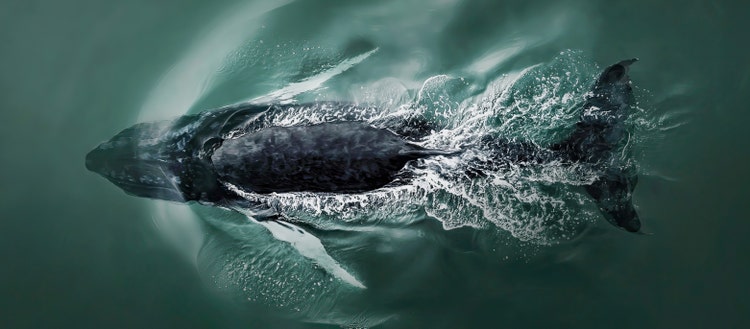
[199,157]
[344,157]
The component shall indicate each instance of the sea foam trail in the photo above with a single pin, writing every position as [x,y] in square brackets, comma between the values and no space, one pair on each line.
[540,203]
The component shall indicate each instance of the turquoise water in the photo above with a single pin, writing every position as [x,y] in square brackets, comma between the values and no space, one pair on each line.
[529,251]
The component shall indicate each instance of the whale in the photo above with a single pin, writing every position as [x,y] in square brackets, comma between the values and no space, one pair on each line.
[213,156]
[190,159]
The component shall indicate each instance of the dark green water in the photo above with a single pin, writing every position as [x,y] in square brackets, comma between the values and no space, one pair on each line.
[77,252]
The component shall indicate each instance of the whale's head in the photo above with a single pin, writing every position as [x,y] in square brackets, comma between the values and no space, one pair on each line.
[154,160]
[139,161]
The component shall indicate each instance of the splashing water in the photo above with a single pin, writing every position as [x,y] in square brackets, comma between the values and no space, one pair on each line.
[541,204]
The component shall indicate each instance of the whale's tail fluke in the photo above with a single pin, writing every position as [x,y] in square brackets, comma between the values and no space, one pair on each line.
[599,138]
[612,193]
[602,127]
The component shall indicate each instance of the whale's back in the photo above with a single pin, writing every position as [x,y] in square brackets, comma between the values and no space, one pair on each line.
[345,157]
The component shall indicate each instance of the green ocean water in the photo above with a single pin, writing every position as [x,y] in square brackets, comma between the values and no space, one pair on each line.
[79,253]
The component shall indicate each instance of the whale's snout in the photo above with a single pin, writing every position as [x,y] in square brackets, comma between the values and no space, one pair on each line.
[111,155]
[90,161]
[96,160]
[136,162]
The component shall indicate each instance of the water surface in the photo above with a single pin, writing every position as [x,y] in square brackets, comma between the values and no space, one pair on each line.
[77,252]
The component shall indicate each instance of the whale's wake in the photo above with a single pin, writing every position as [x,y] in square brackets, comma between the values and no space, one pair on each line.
[542,204]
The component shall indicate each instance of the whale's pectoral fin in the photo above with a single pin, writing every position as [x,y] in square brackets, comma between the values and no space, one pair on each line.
[305,243]
[612,193]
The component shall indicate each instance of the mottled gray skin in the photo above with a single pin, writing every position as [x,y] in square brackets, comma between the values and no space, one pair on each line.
[196,157]
[345,157]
